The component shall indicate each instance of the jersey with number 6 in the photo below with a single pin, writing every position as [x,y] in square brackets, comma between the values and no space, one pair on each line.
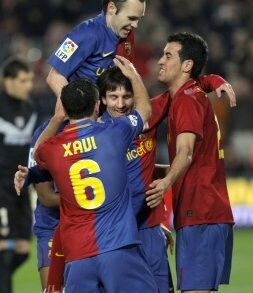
[199,195]
[87,162]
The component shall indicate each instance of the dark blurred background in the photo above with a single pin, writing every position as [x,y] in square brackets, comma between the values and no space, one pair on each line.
[33,29]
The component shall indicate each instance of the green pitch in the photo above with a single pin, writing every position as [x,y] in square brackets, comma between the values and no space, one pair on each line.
[26,279]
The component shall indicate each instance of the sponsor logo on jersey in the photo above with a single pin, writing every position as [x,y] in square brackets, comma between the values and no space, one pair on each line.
[133,119]
[65,51]
[141,150]
[104,55]
[79,146]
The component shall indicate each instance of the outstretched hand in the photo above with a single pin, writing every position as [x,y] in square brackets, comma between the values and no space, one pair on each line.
[125,66]
[156,193]
[19,178]
[227,88]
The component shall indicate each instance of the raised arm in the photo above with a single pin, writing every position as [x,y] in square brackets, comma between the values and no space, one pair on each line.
[53,125]
[141,97]
[213,82]
[56,81]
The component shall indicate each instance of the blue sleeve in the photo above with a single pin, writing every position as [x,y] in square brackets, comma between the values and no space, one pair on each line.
[36,175]
[131,126]
[75,48]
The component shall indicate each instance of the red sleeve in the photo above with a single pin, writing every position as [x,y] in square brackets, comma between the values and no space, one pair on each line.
[210,82]
[55,282]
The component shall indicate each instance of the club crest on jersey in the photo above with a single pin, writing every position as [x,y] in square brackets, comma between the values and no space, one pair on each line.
[133,119]
[143,136]
[67,48]
[127,48]
[149,144]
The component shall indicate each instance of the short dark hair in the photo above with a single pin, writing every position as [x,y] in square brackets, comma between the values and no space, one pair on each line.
[118,4]
[79,98]
[194,47]
[112,78]
[13,65]
[109,80]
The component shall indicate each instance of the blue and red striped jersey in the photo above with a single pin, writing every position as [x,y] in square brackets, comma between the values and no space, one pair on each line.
[87,162]
[89,49]
[140,157]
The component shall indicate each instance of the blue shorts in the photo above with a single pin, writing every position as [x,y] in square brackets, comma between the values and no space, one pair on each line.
[154,247]
[203,256]
[44,246]
[121,270]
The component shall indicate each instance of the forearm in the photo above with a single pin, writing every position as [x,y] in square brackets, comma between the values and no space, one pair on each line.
[210,82]
[49,131]
[141,98]
[46,194]
[56,82]
[179,165]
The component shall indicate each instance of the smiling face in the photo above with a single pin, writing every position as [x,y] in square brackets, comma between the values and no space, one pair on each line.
[127,18]
[170,64]
[118,102]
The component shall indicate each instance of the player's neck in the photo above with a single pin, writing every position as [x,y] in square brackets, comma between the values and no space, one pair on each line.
[92,117]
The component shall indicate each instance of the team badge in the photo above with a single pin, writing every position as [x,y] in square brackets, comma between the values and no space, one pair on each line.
[127,48]
[149,144]
[133,119]
[67,48]
[143,136]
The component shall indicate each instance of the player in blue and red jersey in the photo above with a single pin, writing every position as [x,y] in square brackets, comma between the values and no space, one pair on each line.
[90,47]
[97,223]
[202,214]
[145,144]
[118,39]
[117,96]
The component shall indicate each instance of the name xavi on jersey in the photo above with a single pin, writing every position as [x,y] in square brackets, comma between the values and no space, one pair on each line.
[79,146]
[67,48]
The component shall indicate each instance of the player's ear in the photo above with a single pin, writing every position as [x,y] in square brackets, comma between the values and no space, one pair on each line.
[97,106]
[111,8]
[104,100]
[187,65]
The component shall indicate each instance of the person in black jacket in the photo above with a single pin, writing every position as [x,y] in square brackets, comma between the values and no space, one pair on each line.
[18,119]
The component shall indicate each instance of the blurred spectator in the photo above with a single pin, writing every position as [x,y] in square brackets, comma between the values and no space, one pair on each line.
[18,120]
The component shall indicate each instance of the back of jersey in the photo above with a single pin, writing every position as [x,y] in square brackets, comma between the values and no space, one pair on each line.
[87,162]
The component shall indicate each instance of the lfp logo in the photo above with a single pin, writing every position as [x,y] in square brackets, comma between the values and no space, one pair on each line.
[66,49]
